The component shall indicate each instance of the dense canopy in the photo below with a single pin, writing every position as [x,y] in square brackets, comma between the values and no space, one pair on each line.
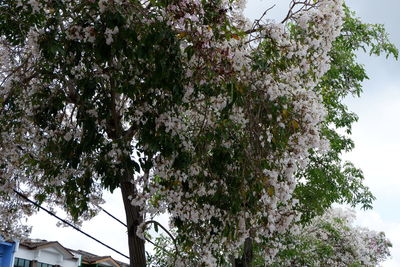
[228,126]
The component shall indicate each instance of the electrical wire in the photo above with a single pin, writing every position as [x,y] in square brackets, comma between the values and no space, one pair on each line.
[115,218]
[68,223]
[146,223]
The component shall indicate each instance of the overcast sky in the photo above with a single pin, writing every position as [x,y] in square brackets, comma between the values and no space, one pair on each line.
[376,135]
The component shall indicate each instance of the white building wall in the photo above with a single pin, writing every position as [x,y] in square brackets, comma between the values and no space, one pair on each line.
[24,253]
[48,255]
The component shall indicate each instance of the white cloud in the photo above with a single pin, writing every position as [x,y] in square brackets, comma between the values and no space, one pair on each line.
[377,141]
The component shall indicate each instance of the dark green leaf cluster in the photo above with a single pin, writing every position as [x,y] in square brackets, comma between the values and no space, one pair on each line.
[140,58]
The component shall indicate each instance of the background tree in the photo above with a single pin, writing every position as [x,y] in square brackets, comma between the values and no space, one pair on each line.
[331,239]
[185,106]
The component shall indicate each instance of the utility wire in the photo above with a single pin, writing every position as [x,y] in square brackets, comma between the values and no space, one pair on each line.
[112,216]
[147,239]
[68,223]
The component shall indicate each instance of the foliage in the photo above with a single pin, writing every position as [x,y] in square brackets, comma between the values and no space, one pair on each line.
[331,239]
[327,180]
[187,108]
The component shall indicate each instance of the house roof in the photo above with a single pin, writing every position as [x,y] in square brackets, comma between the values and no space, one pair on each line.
[90,258]
[87,257]
[35,244]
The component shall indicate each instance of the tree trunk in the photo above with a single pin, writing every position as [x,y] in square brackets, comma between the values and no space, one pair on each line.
[137,253]
[247,257]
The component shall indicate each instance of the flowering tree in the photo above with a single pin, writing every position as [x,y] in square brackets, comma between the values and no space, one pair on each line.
[327,240]
[332,240]
[183,105]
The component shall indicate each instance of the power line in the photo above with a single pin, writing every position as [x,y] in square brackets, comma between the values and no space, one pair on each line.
[148,222]
[112,216]
[68,223]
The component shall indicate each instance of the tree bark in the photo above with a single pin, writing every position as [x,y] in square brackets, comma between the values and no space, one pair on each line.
[247,257]
[137,252]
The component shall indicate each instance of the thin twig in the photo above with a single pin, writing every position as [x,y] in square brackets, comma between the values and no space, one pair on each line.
[306,6]
[165,230]
[257,21]
[154,244]
[157,223]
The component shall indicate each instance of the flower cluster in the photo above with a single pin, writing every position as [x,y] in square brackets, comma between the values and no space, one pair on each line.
[233,176]
[333,240]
